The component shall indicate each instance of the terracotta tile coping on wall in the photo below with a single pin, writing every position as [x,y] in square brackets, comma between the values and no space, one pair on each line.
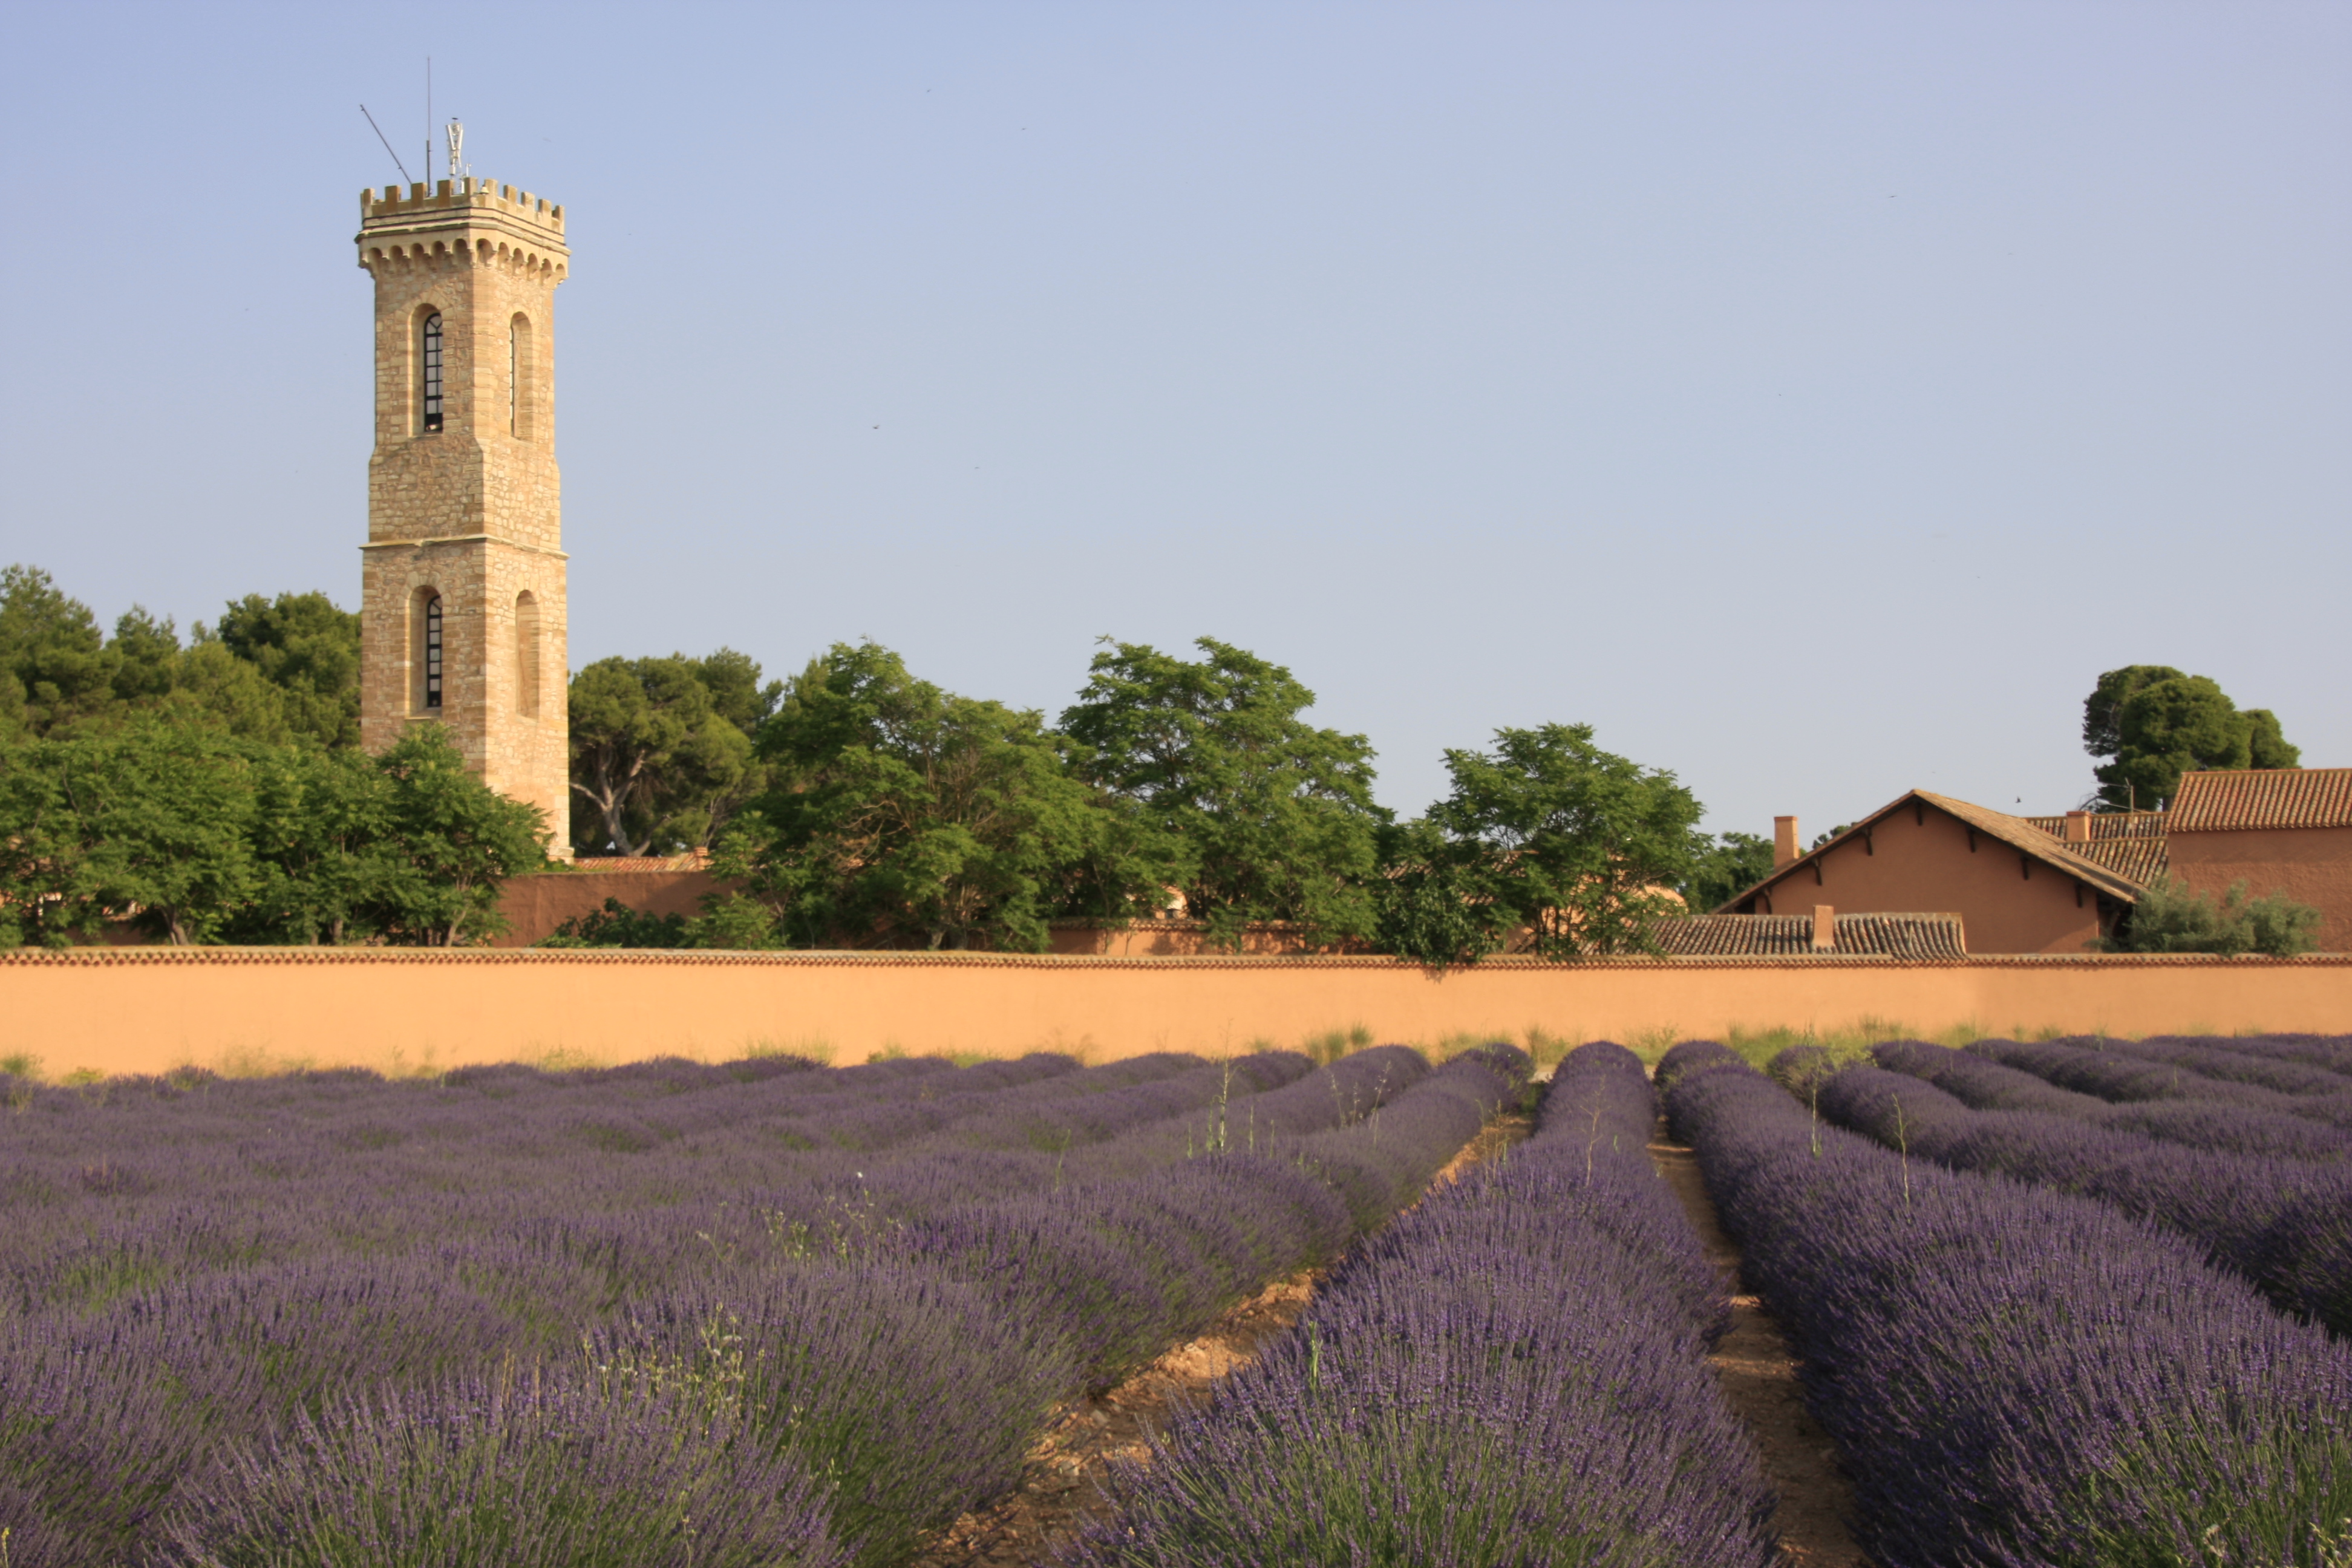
[661,957]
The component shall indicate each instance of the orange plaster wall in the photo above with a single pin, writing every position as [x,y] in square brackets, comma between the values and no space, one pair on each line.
[149,1010]
[2310,864]
[1911,867]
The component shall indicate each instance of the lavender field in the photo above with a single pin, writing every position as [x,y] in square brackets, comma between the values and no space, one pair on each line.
[2081,1303]
[764,1313]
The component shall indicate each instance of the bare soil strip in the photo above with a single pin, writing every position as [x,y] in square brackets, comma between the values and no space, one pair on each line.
[1061,1484]
[1758,1375]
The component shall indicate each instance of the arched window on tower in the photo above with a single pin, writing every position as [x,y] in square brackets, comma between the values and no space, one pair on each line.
[527,655]
[432,653]
[429,361]
[521,380]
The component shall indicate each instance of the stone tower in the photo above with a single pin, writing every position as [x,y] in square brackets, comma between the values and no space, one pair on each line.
[462,618]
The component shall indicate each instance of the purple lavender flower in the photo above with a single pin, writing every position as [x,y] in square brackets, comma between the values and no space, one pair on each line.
[2014,1375]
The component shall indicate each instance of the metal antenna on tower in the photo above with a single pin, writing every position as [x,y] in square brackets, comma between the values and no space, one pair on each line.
[428,115]
[387,145]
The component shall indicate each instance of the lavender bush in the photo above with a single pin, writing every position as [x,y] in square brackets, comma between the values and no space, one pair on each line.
[2333,1052]
[2115,1074]
[2017,1376]
[522,1472]
[2222,1057]
[1510,1375]
[1983,1084]
[2284,1225]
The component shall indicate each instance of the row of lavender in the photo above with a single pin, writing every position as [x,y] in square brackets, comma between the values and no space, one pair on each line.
[759,1345]
[2015,1375]
[622,1178]
[1511,1374]
[2258,1177]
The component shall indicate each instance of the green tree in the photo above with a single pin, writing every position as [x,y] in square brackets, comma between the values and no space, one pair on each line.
[1726,868]
[146,659]
[457,841]
[307,648]
[899,812]
[2154,724]
[52,645]
[154,819]
[215,689]
[1579,846]
[326,850]
[2170,917]
[1254,814]
[274,670]
[201,837]
[2103,709]
[2266,743]
[657,751]
[1431,904]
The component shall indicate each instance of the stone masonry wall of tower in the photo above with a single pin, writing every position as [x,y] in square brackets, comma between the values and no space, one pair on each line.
[464,497]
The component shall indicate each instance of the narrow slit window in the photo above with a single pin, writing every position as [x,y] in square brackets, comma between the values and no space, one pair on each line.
[431,361]
[432,653]
[527,656]
[522,380]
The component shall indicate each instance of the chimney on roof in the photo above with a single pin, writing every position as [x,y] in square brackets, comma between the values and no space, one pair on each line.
[1824,928]
[2078,828]
[1784,841]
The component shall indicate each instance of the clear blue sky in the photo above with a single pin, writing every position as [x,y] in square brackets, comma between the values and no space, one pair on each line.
[1815,398]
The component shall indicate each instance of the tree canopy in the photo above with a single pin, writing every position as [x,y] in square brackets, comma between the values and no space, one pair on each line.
[1579,847]
[1251,812]
[309,650]
[276,670]
[896,810]
[661,749]
[1725,867]
[2152,723]
[200,836]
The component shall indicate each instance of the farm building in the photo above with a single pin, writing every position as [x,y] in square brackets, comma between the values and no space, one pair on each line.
[2277,830]
[2016,887]
[2053,884]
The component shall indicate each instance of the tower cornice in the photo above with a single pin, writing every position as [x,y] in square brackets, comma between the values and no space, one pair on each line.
[477,221]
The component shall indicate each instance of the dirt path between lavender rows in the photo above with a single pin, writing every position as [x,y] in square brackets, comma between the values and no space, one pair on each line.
[1061,1487]
[1758,1375]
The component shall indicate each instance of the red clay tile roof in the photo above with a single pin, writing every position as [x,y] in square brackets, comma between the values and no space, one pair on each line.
[1784,936]
[2129,843]
[2137,860]
[2219,802]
